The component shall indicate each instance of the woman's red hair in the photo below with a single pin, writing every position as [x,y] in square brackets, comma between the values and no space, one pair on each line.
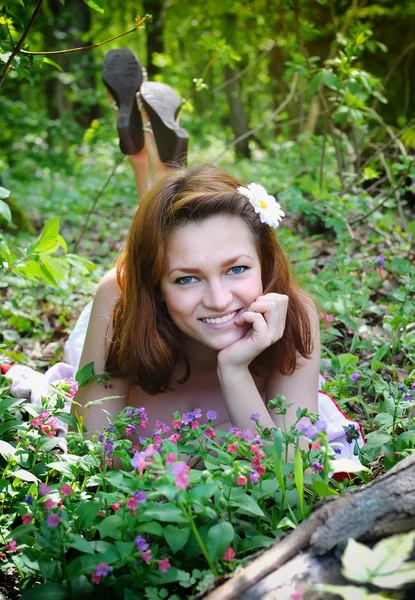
[145,344]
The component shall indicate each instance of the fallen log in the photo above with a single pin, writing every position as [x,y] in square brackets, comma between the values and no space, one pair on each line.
[311,554]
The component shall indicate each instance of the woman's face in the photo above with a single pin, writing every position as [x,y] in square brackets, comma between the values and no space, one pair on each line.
[212,274]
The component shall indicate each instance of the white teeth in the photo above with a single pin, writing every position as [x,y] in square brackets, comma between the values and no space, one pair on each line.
[221,319]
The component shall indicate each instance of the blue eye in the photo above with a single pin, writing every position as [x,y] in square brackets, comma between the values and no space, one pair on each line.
[184,280]
[238,272]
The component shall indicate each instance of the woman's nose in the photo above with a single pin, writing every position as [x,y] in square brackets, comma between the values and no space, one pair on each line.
[218,297]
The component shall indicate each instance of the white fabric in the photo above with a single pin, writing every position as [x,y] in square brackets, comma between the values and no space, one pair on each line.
[27,383]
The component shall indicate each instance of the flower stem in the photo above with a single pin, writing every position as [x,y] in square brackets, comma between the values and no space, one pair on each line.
[199,539]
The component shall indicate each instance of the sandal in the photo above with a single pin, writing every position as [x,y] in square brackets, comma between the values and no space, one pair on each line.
[122,74]
[162,105]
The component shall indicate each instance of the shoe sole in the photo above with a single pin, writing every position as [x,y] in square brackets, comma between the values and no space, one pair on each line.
[163,105]
[122,74]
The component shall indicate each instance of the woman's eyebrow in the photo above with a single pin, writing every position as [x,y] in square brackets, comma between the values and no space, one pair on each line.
[224,264]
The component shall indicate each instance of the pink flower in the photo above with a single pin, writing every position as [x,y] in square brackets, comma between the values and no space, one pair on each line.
[11,546]
[27,519]
[296,595]
[195,424]
[177,424]
[261,470]
[209,433]
[256,462]
[174,438]
[164,564]
[96,579]
[132,503]
[44,414]
[182,480]
[116,506]
[229,554]
[242,480]
[53,520]
[66,490]
[143,423]
[178,467]
[146,556]
[48,504]
[44,489]
[51,433]
[44,428]
[36,422]
[128,431]
[260,453]
[316,445]
[53,422]
[170,458]
[232,448]
[73,387]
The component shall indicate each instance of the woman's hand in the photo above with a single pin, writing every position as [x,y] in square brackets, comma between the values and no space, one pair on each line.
[267,315]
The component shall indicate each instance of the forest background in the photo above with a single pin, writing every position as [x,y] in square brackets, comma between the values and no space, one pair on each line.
[312,99]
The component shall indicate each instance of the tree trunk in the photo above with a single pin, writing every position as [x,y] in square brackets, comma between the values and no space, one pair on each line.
[309,555]
[154,30]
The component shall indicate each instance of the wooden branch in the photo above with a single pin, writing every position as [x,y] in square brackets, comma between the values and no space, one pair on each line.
[381,508]
[20,43]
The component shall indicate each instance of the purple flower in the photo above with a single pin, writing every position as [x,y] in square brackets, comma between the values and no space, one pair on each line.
[211,415]
[248,435]
[29,499]
[408,397]
[53,520]
[111,428]
[255,417]
[129,413]
[109,446]
[328,262]
[187,418]
[197,413]
[413,386]
[178,467]
[380,261]
[141,496]
[101,438]
[304,424]
[254,477]
[337,450]
[141,544]
[44,489]
[311,433]
[355,376]
[320,425]
[102,569]
[317,467]
[352,432]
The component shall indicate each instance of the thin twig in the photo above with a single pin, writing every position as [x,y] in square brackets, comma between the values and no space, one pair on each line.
[138,22]
[249,66]
[339,159]
[261,125]
[397,141]
[20,43]
[323,154]
[397,195]
[385,198]
[95,202]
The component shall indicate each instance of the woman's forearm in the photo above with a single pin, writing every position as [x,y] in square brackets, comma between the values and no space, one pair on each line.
[242,398]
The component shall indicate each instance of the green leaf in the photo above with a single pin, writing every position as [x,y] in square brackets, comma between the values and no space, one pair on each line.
[110,527]
[53,63]
[81,544]
[277,455]
[47,591]
[176,537]
[55,266]
[254,542]
[356,561]
[246,505]
[6,449]
[331,80]
[5,211]
[219,538]
[299,477]
[347,359]
[85,374]
[4,193]
[61,466]
[202,493]
[86,514]
[151,527]
[388,567]
[166,513]
[98,5]
[47,238]
[25,475]
[323,489]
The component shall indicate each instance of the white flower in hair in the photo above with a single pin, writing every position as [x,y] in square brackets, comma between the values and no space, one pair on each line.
[266,206]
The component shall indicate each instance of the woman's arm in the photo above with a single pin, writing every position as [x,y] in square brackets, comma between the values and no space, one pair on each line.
[300,389]
[97,340]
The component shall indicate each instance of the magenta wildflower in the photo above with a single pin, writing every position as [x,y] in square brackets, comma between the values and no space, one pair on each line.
[95,579]
[48,504]
[138,461]
[36,422]
[355,376]
[44,414]
[27,519]
[182,481]
[248,435]
[11,546]
[146,556]
[254,477]
[164,565]
[132,503]
[187,418]
[229,554]
[178,467]
[66,490]
[255,417]
[72,386]
[44,489]
[141,496]
[407,397]
[317,467]
[210,433]
[197,413]
[242,480]
[170,458]
[53,520]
